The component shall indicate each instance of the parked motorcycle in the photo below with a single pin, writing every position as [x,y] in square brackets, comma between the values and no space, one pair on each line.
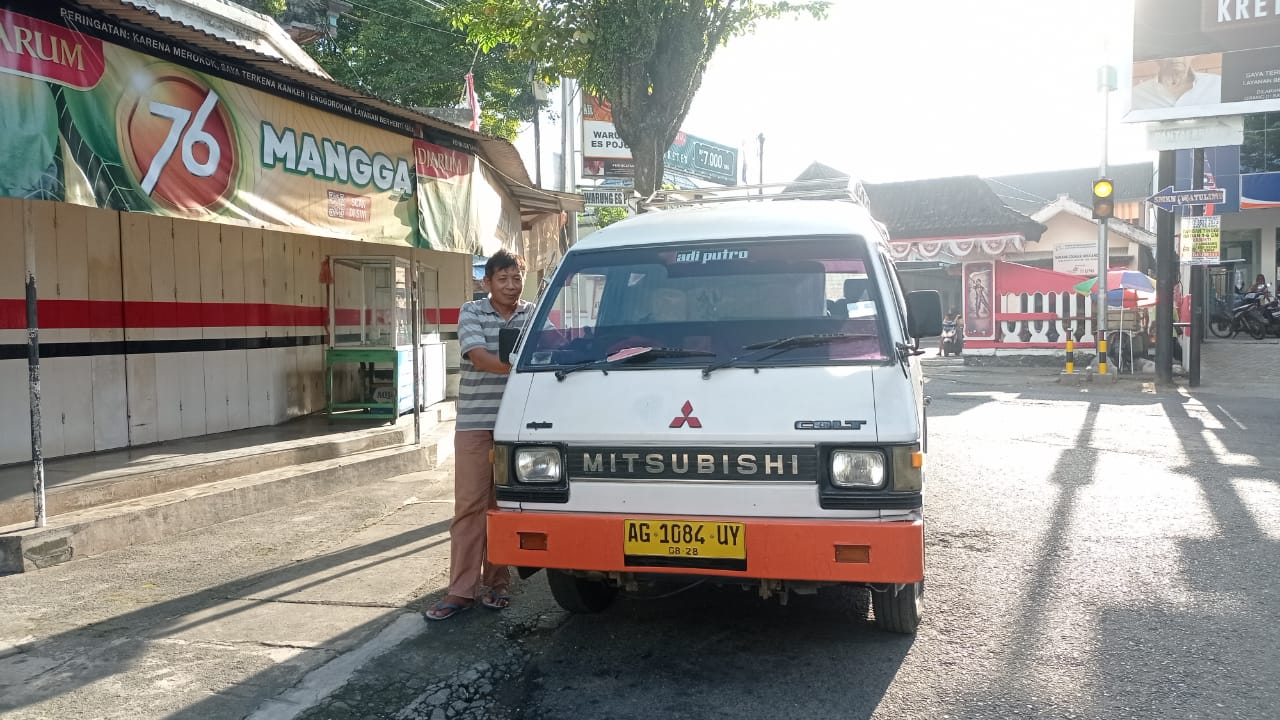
[1271,316]
[1245,314]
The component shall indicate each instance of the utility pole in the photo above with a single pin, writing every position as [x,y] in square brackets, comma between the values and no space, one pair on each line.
[537,148]
[1106,83]
[760,161]
[1196,282]
[33,364]
[1165,269]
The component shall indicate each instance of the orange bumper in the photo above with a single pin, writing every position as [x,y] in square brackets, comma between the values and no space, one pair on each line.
[776,549]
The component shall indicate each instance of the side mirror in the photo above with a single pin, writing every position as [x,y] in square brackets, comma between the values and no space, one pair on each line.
[507,338]
[924,313]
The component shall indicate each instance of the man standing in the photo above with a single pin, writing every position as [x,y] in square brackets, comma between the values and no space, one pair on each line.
[483,378]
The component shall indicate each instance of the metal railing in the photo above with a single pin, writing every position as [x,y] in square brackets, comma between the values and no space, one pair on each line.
[846,189]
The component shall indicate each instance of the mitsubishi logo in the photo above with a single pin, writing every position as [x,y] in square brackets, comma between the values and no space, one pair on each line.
[686,417]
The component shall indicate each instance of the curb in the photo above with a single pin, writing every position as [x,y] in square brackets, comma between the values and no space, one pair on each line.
[110,527]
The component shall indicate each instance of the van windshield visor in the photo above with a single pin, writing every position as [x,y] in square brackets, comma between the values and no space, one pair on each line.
[711,300]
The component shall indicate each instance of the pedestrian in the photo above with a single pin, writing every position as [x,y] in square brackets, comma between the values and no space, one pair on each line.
[1260,286]
[483,378]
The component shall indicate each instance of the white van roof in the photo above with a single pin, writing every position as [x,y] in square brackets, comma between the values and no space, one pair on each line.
[790,218]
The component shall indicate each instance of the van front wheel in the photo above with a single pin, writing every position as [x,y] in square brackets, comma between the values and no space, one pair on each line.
[898,609]
[578,595]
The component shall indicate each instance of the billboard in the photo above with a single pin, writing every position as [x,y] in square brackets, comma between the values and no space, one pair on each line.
[1260,190]
[97,113]
[604,154]
[1199,58]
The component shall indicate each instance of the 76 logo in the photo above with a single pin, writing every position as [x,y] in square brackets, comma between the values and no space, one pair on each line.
[180,144]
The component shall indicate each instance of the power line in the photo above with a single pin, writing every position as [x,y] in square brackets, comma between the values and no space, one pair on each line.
[407,22]
[1027,193]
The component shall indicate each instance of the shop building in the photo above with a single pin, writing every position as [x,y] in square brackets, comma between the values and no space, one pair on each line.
[185,194]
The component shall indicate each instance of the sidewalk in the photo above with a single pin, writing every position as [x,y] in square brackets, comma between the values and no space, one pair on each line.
[81,481]
[1241,367]
[216,623]
[108,501]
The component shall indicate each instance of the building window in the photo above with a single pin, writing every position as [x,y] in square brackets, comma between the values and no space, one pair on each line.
[1261,149]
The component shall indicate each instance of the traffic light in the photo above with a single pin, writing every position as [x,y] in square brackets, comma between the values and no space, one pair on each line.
[1104,205]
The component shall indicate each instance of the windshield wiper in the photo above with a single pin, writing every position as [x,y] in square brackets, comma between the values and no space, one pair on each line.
[634,354]
[782,345]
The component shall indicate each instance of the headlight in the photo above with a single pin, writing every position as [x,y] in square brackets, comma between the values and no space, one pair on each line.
[857,469]
[538,465]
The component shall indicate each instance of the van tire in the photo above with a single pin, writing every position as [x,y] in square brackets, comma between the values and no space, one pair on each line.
[899,611]
[578,595]
[855,600]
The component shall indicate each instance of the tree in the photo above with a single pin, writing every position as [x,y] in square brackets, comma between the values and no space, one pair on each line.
[274,8]
[646,57]
[408,53]
[607,216]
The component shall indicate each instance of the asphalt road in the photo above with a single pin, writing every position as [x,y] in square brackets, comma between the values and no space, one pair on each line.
[1091,553]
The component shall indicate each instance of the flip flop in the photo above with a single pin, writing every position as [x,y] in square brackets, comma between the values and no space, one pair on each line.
[444,610]
[496,601]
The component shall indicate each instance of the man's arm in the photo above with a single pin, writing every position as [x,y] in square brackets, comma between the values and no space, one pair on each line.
[486,361]
[471,341]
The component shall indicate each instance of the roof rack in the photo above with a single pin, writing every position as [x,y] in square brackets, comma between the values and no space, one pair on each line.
[846,189]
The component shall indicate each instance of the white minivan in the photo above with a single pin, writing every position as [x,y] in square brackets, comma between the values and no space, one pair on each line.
[728,393]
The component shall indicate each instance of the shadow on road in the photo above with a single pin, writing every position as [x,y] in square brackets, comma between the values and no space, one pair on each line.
[1213,652]
[716,652]
[118,644]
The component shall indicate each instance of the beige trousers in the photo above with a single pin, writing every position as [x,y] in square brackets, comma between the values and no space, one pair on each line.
[473,494]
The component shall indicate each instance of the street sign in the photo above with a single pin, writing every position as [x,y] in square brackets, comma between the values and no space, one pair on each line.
[1168,199]
[600,197]
[1192,134]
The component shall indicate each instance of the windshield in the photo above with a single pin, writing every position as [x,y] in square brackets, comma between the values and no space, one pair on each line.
[713,297]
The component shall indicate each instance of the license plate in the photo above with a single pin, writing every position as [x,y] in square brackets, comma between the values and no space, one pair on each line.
[684,541]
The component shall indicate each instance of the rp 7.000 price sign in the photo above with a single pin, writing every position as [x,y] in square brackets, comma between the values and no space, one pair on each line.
[715,160]
[703,159]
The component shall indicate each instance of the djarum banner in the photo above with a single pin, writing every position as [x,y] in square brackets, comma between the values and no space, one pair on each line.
[87,121]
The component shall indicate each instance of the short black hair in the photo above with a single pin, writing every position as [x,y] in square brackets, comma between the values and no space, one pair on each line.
[502,260]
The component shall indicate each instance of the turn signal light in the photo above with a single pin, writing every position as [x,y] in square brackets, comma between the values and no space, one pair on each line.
[533,541]
[853,553]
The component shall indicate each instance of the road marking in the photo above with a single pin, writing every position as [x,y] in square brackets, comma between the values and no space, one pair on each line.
[324,680]
[1232,418]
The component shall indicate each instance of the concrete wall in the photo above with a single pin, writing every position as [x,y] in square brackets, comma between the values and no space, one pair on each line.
[155,328]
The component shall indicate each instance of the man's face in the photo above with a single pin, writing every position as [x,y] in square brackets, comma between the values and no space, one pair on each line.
[506,285]
[1174,69]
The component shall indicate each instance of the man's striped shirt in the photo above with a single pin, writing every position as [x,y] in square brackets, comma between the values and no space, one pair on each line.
[479,393]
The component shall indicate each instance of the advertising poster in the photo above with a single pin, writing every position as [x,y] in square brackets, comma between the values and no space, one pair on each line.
[1201,242]
[979,297]
[99,114]
[605,155]
[446,177]
[1200,58]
